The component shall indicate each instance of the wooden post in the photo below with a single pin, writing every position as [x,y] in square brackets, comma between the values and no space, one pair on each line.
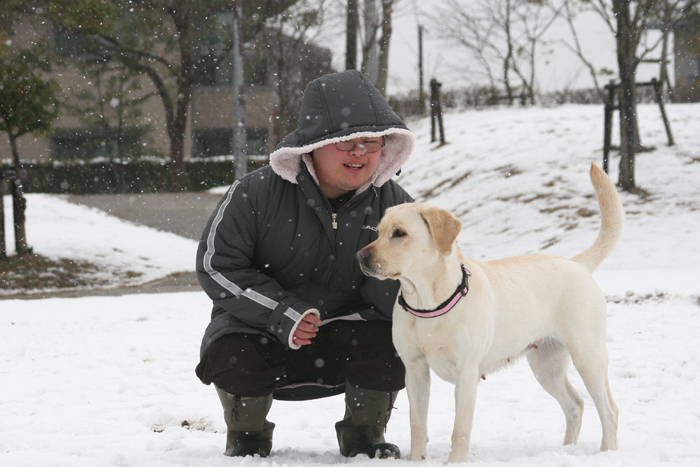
[609,108]
[433,109]
[660,101]
[442,126]
[436,111]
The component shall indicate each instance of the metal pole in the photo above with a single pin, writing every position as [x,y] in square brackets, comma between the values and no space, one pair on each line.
[238,134]
[3,248]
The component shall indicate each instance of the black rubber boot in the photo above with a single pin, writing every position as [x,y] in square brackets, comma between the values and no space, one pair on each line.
[362,430]
[248,431]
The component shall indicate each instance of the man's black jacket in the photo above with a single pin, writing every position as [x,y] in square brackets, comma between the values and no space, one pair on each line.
[273,250]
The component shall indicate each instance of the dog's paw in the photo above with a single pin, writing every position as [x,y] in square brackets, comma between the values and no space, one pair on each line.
[457,458]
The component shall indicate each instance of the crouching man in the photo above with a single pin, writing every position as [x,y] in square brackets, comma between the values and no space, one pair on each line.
[293,316]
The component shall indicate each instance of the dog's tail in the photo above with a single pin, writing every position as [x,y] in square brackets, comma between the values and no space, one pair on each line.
[612,223]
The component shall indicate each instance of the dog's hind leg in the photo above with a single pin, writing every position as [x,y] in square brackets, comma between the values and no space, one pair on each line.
[592,365]
[549,361]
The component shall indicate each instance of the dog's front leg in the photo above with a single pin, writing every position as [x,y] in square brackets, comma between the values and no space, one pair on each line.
[418,390]
[465,402]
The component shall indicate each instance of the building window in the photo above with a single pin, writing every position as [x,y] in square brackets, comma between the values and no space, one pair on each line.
[211,142]
[76,45]
[96,143]
[693,68]
[213,60]
[255,70]
[209,72]
[213,64]
[256,142]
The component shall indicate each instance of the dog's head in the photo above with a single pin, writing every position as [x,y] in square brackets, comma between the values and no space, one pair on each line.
[412,235]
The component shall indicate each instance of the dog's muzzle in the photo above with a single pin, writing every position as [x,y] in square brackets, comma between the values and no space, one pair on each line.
[364,257]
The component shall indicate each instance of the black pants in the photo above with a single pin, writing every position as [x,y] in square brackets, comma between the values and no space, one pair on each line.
[252,365]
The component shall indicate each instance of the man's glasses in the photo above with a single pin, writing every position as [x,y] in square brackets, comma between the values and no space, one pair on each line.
[367,146]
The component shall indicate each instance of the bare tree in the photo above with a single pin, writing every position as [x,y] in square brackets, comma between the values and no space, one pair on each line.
[174,44]
[571,9]
[671,14]
[665,15]
[501,36]
[352,26]
[374,17]
[286,42]
[628,21]
[533,21]
[370,47]
[384,42]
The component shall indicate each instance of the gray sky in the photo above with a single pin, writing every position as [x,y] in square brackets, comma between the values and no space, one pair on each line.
[559,69]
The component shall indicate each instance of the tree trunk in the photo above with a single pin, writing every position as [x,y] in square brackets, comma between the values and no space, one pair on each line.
[509,56]
[383,72]
[176,131]
[351,36]
[19,203]
[626,49]
[530,85]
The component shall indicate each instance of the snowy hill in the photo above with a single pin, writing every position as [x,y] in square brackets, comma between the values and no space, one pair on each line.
[109,381]
[518,180]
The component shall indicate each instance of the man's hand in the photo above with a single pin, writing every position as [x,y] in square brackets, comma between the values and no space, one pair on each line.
[306,330]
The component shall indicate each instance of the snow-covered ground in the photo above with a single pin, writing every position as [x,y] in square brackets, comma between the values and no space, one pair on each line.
[109,381]
[126,254]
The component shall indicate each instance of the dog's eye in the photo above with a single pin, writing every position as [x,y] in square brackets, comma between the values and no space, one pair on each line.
[398,233]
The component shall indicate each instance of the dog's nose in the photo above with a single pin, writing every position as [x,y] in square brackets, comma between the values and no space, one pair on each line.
[363,255]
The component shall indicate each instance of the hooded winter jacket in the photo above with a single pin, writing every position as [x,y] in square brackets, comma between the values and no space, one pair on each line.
[274,250]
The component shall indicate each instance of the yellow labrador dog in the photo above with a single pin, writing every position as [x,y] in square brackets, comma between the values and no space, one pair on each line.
[466,318]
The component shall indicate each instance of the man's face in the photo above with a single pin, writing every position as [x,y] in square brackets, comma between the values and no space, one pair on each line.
[342,171]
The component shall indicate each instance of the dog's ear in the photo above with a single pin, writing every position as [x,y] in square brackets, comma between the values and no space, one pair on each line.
[443,226]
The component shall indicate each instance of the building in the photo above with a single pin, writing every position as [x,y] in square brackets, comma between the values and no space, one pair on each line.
[115,114]
[686,65]
[686,59]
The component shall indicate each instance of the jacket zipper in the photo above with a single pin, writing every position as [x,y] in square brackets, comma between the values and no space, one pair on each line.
[334,221]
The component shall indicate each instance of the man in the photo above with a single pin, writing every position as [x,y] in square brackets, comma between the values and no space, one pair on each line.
[294,318]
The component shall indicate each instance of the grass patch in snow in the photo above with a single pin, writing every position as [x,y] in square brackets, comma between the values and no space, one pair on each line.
[33,272]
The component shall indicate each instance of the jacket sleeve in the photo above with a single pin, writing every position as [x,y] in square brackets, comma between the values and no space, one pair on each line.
[224,270]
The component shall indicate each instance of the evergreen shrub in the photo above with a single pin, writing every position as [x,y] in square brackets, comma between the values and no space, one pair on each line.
[144,175]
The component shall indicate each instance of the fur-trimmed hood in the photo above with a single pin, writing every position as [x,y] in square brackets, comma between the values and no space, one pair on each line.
[339,107]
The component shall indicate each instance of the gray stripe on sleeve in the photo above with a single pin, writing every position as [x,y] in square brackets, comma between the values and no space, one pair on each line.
[217,276]
[292,314]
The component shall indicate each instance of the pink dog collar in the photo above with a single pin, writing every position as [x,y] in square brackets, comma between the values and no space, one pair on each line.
[447,305]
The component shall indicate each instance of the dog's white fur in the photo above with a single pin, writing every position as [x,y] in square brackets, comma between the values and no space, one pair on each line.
[547,308]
